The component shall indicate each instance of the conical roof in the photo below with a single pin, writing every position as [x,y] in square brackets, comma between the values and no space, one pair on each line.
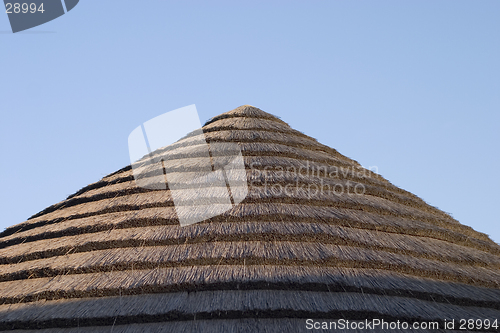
[316,237]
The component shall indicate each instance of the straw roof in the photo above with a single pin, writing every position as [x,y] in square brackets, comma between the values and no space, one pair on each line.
[113,256]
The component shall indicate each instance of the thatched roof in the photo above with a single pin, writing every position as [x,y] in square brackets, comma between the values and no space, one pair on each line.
[114,255]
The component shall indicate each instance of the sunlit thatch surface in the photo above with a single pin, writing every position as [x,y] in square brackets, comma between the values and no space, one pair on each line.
[114,255]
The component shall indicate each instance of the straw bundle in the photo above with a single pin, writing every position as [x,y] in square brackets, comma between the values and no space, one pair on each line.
[290,246]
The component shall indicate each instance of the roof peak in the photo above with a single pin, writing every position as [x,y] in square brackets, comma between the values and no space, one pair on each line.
[248,111]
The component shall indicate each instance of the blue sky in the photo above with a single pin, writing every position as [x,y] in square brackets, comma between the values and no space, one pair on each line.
[411,87]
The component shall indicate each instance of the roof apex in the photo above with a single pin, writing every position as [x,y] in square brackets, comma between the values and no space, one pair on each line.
[246,110]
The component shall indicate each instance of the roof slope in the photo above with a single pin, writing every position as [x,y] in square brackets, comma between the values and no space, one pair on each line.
[306,242]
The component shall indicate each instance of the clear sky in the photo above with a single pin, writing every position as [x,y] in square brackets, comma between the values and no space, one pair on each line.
[411,87]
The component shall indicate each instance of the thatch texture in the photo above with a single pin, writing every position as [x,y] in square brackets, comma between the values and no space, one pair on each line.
[291,246]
